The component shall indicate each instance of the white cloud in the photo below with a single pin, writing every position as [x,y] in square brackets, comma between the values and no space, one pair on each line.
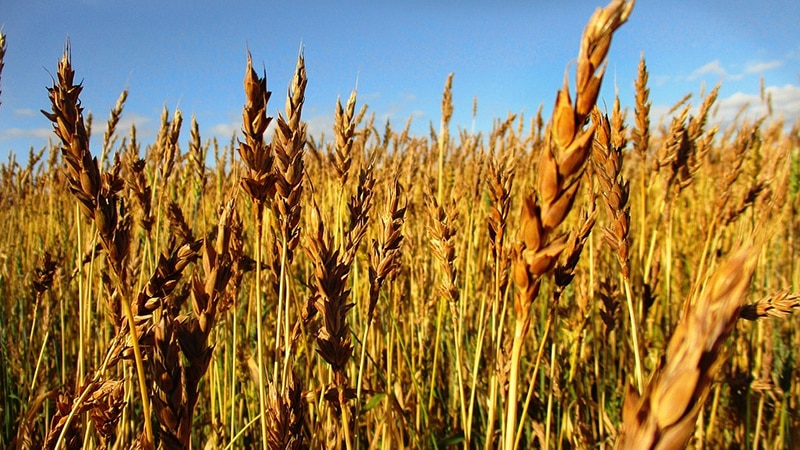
[661,80]
[785,103]
[763,66]
[659,114]
[224,131]
[319,125]
[711,68]
[144,129]
[25,112]
[716,68]
[38,134]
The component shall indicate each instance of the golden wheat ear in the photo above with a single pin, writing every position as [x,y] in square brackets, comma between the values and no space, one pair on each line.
[664,415]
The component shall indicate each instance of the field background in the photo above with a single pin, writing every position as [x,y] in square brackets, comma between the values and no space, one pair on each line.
[398,302]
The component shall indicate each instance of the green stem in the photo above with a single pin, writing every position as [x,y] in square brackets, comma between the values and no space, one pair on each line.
[148,425]
[532,384]
[259,333]
[634,334]
[513,380]
[439,317]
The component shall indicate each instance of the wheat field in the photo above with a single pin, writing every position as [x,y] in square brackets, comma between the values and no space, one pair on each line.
[599,279]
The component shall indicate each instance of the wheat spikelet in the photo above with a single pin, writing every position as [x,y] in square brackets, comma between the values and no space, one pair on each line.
[344,130]
[442,233]
[197,156]
[385,255]
[137,183]
[779,304]
[501,179]
[563,157]
[166,145]
[608,158]
[641,134]
[257,156]
[290,138]
[104,400]
[286,413]
[111,125]
[443,138]
[83,174]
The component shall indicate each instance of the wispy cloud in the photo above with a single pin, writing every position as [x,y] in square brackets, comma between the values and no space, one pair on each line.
[224,131]
[661,80]
[143,124]
[716,68]
[320,125]
[711,68]
[25,112]
[785,102]
[762,66]
[37,134]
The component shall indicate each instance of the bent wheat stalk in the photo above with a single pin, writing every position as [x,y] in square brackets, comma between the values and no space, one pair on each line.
[98,198]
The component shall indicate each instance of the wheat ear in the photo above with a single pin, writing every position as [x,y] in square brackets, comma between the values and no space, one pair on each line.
[664,415]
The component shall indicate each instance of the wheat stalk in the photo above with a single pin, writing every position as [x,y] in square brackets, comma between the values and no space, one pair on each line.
[259,184]
[560,169]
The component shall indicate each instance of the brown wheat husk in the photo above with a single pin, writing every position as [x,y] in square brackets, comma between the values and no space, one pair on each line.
[501,180]
[289,150]
[257,156]
[562,160]
[344,131]
[287,411]
[608,158]
[561,164]
[181,353]
[778,305]
[384,259]
[664,415]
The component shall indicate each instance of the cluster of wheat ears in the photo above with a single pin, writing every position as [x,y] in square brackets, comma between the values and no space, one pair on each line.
[585,283]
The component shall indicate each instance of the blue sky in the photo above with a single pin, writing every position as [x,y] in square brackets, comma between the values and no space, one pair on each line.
[511,55]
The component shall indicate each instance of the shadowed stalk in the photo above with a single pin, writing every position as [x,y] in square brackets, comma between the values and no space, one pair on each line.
[182,352]
[442,233]
[563,274]
[383,263]
[331,270]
